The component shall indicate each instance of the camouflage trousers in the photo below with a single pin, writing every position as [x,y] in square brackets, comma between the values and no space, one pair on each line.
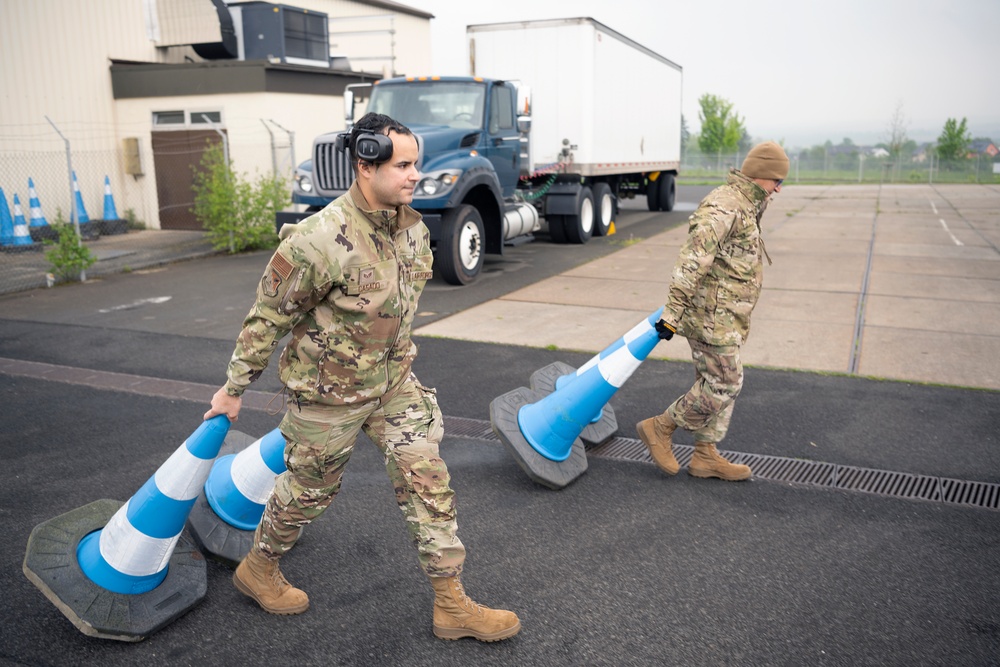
[320,438]
[708,406]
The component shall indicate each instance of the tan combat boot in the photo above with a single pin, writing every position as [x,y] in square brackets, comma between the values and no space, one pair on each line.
[707,462]
[260,578]
[456,616]
[656,433]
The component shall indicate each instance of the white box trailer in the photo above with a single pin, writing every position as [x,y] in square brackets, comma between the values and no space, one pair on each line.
[613,103]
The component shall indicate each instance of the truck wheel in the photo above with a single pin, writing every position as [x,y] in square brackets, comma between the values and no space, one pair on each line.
[604,208]
[459,253]
[557,228]
[580,226]
[653,194]
[666,191]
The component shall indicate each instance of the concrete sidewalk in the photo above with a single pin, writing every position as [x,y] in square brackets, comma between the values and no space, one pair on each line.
[895,281]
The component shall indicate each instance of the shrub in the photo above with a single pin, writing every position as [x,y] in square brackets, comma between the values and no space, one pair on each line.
[237,213]
[67,254]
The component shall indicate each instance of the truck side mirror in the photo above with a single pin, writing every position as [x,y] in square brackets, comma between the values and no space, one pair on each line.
[349,107]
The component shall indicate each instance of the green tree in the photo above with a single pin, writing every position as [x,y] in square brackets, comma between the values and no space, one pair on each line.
[721,127]
[953,144]
[237,213]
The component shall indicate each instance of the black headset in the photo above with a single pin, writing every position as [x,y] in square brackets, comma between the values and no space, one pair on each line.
[369,146]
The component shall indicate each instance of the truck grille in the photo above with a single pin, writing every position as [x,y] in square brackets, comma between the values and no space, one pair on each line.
[332,169]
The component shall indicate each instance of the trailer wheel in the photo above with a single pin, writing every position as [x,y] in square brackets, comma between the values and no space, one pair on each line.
[580,226]
[666,191]
[459,254]
[604,208]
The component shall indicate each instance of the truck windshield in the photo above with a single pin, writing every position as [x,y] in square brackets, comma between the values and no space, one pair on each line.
[451,103]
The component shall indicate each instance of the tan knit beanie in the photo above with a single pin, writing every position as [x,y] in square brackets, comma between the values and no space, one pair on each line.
[766,160]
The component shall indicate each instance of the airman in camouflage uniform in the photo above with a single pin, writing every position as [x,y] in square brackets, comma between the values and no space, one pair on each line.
[713,290]
[345,284]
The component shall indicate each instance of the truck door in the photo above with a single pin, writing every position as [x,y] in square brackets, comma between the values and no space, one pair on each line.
[502,137]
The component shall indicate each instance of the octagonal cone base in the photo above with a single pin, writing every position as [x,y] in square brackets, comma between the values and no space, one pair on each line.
[543,381]
[217,539]
[50,563]
[553,474]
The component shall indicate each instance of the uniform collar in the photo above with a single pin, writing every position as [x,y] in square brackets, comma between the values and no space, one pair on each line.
[745,185]
[398,219]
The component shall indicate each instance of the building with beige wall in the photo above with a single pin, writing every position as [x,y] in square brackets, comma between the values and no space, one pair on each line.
[134,88]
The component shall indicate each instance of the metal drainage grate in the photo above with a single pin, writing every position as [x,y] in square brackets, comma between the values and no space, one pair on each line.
[796,471]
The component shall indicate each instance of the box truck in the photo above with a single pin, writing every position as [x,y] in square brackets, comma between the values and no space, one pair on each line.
[557,120]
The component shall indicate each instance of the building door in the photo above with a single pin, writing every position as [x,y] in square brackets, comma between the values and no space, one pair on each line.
[175,155]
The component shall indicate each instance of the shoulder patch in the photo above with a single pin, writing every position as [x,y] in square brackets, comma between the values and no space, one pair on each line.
[277,272]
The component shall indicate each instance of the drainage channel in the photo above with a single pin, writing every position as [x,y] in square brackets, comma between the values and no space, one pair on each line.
[965,493]
[773,468]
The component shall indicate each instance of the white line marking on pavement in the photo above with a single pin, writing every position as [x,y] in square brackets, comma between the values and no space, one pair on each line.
[136,304]
[933,207]
[945,225]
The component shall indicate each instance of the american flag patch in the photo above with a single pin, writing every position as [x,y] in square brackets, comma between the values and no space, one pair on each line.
[281,265]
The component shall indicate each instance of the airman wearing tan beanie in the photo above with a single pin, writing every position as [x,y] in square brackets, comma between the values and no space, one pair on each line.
[766,160]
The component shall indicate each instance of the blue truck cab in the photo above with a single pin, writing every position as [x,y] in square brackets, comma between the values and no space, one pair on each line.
[476,192]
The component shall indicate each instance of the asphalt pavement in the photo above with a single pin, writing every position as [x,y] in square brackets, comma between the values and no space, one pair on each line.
[102,381]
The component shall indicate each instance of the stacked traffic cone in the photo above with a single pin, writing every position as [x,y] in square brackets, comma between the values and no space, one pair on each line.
[130,558]
[38,227]
[22,237]
[81,210]
[111,223]
[223,520]
[89,230]
[543,432]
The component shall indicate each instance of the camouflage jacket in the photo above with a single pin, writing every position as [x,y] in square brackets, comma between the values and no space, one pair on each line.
[345,282]
[718,275]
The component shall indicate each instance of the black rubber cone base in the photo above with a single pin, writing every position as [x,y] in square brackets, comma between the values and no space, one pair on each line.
[544,381]
[216,538]
[553,474]
[50,564]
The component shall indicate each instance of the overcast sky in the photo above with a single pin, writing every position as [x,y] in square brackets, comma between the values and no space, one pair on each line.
[801,71]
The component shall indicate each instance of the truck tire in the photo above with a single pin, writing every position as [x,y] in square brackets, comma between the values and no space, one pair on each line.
[666,191]
[653,194]
[459,255]
[604,208]
[579,227]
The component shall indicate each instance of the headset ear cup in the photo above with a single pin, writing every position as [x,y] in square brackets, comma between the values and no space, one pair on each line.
[375,148]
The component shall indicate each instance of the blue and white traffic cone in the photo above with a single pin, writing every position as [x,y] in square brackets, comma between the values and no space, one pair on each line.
[123,571]
[240,484]
[81,210]
[110,212]
[37,218]
[226,515]
[557,375]
[542,432]
[130,555]
[22,237]
[6,222]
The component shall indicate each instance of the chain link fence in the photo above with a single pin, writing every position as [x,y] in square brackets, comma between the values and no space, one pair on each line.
[133,205]
[853,167]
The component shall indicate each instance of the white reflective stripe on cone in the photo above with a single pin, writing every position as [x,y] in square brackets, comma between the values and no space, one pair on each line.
[637,331]
[618,367]
[251,476]
[129,551]
[182,475]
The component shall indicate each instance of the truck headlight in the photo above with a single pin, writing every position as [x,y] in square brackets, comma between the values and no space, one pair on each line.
[303,182]
[437,183]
